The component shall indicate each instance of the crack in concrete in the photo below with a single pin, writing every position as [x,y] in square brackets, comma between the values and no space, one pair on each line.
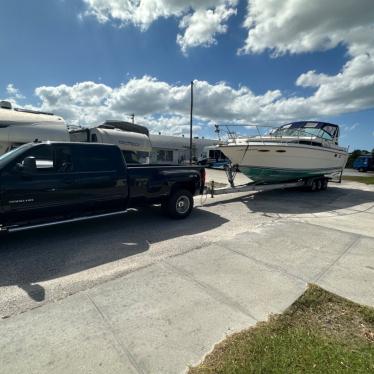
[118,346]
[211,291]
[321,274]
[268,266]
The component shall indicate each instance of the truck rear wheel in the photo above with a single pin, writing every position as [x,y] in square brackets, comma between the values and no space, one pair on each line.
[179,204]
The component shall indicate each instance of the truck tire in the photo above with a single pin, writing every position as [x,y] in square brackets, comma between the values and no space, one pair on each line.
[179,204]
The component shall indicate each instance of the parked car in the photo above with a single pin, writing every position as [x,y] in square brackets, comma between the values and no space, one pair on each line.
[364,163]
[53,182]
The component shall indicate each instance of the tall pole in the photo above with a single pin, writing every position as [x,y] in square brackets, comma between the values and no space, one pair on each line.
[191,122]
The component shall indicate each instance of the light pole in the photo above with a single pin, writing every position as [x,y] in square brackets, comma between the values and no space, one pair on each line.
[191,122]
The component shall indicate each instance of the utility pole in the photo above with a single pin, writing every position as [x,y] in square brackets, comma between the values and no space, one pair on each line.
[132,117]
[191,122]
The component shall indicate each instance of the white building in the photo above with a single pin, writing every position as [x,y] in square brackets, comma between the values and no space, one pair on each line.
[176,149]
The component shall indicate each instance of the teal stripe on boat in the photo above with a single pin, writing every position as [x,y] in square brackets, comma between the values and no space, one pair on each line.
[274,175]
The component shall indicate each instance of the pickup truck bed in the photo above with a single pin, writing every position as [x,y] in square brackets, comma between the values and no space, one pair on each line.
[48,183]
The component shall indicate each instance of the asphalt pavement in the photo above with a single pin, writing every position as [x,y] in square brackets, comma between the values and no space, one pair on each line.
[144,294]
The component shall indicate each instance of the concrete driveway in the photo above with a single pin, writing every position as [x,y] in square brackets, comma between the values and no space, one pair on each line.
[356,173]
[143,294]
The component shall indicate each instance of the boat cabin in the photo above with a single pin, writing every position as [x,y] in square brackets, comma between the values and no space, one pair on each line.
[315,131]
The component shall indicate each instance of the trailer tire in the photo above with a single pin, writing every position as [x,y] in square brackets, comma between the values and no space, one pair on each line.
[325,183]
[319,184]
[179,204]
[313,185]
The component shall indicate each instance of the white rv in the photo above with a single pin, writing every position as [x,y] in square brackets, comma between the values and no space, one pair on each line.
[19,126]
[132,139]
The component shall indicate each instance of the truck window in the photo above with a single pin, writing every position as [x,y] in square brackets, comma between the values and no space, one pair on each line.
[50,159]
[96,159]
[63,160]
[43,156]
[131,157]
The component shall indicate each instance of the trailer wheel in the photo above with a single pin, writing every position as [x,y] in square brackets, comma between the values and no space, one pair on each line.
[179,204]
[325,183]
[319,184]
[313,185]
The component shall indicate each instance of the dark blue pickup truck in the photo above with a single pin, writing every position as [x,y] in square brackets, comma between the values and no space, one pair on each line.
[48,183]
[364,163]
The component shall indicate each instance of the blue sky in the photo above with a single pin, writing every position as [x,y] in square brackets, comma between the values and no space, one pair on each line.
[58,55]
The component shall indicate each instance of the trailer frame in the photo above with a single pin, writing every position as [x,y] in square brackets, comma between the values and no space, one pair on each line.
[315,183]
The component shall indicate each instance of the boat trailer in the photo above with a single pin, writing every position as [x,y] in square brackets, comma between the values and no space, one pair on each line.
[315,183]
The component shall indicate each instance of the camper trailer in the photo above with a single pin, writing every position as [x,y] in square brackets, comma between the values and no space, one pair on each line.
[132,139]
[20,126]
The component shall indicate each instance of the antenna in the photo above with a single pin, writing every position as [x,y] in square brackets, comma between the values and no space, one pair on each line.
[217,131]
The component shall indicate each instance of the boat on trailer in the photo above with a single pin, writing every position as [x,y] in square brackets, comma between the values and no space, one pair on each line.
[298,150]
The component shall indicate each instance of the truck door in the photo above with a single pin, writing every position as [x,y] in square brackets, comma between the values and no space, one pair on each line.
[101,178]
[39,184]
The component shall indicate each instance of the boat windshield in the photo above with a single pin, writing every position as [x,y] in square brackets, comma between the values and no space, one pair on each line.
[327,132]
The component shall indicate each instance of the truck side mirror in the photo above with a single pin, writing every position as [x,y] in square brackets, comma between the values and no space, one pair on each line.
[29,165]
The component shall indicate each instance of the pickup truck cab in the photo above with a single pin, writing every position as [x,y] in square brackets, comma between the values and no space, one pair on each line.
[364,163]
[48,183]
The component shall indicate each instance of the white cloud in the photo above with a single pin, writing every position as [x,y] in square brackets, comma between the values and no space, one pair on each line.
[302,26]
[13,92]
[297,26]
[163,105]
[202,26]
[201,19]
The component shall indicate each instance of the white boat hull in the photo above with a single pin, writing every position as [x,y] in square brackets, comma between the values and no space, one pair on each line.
[274,162]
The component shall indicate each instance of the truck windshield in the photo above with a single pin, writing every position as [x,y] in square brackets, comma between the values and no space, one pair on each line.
[14,153]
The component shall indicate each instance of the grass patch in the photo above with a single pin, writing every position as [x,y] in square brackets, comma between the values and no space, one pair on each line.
[367,180]
[319,333]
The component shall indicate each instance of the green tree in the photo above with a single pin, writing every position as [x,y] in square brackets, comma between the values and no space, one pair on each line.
[352,157]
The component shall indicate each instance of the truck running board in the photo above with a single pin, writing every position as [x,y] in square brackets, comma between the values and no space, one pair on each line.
[85,218]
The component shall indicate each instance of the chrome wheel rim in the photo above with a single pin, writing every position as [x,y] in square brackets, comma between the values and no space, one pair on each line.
[182,204]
